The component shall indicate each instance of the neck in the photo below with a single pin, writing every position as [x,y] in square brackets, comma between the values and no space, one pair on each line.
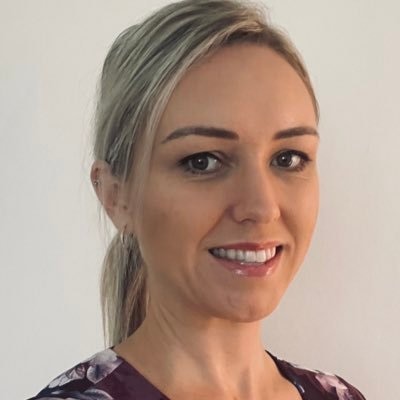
[218,356]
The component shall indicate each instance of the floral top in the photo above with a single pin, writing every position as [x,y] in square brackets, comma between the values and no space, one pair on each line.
[107,376]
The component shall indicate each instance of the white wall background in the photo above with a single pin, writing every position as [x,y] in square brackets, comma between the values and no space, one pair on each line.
[342,312]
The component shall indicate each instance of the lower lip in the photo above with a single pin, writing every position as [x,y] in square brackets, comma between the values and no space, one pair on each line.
[250,270]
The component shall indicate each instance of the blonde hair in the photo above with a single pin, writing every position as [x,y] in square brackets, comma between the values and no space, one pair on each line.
[141,70]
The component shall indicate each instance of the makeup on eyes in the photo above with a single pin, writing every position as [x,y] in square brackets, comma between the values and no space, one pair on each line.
[198,163]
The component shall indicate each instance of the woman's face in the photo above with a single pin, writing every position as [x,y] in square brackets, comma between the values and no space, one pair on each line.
[251,181]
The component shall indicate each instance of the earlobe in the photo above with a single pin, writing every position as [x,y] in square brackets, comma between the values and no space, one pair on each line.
[109,191]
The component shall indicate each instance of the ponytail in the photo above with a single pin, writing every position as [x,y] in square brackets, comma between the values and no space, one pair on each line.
[123,289]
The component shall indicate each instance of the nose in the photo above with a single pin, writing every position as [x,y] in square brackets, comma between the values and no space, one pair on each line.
[255,197]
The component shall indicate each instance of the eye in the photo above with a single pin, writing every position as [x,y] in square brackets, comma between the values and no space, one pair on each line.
[201,163]
[292,160]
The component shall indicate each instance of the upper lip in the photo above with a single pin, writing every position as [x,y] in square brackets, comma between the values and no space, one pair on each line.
[250,245]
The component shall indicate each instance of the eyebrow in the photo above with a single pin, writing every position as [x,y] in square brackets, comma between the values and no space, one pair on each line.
[221,133]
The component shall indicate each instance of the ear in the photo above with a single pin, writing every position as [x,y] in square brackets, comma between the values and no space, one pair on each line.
[112,194]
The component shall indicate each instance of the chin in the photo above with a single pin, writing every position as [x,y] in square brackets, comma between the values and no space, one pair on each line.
[250,312]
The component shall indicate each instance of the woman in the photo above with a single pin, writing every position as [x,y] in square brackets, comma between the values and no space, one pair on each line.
[205,161]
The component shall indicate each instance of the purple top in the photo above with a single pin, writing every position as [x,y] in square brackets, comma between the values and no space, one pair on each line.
[107,376]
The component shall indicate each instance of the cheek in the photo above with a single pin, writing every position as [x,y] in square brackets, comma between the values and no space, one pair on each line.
[301,215]
[175,220]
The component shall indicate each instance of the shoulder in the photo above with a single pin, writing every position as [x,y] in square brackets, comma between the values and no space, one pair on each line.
[85,381]
[313,383]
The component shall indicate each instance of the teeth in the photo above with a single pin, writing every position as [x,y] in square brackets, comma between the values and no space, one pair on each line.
[261,256]
[240,255]
[272,252]
[231,254]
[249,256]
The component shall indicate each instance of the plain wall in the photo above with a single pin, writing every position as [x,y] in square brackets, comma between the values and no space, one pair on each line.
[341,314]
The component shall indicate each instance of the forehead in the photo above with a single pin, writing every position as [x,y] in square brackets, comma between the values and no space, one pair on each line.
[243,87]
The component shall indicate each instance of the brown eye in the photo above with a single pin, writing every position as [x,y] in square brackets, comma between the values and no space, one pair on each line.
[201,163]
[292,160]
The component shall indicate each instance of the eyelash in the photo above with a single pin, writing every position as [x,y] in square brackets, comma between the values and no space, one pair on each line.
[185,163]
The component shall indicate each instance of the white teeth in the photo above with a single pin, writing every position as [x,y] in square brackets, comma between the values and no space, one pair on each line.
[240,255]
[231,254]
[249,256]
[261,256]
[272,252]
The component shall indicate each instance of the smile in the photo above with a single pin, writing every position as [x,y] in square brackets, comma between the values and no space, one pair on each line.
[245,256]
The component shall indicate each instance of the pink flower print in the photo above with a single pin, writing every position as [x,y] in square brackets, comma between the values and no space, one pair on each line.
[91,394]
[329,382]
[71,375]
[101,365]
